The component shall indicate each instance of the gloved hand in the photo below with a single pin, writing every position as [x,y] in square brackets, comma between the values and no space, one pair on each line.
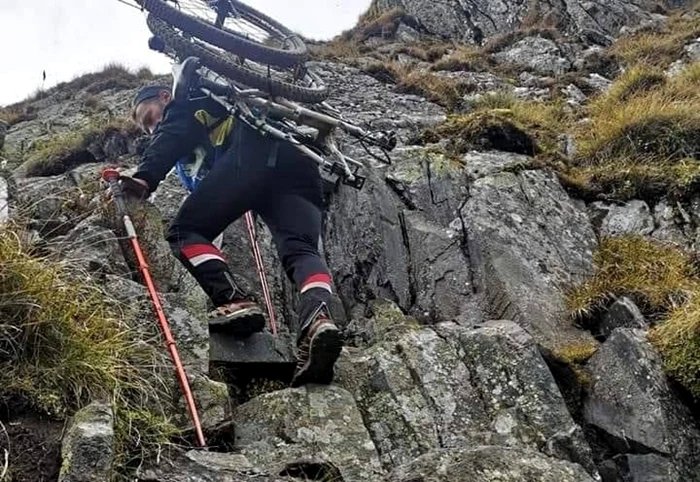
[132,188]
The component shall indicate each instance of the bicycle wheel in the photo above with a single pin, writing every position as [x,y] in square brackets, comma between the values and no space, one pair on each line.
[249,34]
[311,89]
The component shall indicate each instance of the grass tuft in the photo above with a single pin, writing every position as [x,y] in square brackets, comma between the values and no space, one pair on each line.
[659,46]
[656,276]
[64,344]
[665,284]
[61,153]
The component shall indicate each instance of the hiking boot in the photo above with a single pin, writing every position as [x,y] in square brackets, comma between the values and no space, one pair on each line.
[318,349]
[241,318]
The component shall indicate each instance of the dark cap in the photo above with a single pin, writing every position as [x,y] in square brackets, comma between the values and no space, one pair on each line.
[148,92]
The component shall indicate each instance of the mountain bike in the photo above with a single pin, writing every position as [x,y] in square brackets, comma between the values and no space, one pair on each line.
[257,69]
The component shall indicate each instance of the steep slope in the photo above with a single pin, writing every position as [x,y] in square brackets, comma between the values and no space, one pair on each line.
[509,312]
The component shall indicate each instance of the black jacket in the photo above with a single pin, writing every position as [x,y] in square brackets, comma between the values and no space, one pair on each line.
[177,136]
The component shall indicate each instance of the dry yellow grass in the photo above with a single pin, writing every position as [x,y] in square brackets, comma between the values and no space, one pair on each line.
[658,47]
[665,284]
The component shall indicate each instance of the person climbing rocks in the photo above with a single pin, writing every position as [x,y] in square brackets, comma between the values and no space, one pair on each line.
[231,168]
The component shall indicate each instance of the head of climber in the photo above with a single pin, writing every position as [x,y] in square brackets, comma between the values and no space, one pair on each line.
[148,106]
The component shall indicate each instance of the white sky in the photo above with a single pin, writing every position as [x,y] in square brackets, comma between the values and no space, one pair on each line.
[71,37]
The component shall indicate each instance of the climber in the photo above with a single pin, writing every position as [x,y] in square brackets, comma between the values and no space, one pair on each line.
[230,168]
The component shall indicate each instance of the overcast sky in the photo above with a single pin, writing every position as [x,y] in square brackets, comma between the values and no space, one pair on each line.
[69,37]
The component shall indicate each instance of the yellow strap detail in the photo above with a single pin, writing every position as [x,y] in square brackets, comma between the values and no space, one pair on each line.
[218,135]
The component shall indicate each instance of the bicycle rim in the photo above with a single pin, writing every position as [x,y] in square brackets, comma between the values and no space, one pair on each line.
[244,31]
[309,89]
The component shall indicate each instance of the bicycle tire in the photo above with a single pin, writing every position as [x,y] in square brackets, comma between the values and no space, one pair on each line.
[227,68]
[232,41]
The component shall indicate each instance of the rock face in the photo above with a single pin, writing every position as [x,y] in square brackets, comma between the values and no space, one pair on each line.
[530,242]
[489,464]
[536,53]
[451,387]
[450,272]
[633,406]
[475,21]
[286,429]
[88,446]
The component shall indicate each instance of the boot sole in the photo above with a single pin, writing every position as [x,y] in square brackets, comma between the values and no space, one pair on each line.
[243,323]
[323,352]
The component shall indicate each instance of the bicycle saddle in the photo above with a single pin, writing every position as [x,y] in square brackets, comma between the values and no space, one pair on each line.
[183,76]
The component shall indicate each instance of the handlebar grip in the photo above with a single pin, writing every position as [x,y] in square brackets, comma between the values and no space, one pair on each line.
[215,87]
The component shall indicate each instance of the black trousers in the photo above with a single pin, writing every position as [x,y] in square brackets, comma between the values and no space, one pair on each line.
[279,184]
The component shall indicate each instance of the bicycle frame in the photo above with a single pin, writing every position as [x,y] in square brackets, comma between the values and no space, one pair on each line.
[242,102]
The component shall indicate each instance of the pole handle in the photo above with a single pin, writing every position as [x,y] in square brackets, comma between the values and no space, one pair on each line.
[111,177]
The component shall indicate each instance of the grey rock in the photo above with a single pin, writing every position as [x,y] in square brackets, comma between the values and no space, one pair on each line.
[639,468]
[634,217]
[482,164]
[622,314]
[257,348]
[692,50]
[441,275]
[87,449]
[489,464]
[676,68]
[475,21]
[667,227]
[537,53]
[211,399]
[378,267]
[453,387]
[93,248]
[126,291]
[428,180]
[203,466]
[480,82]
[406,34]
[598,82]
[4,201]
[47,202]
[528,242]
[528,93]
[574,94]
[363,99]
[188,323]
[632,403]
[285,428]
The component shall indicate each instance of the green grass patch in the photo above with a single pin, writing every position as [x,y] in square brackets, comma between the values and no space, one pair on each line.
[64,343]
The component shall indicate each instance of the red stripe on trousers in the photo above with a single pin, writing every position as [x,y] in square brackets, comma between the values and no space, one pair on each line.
[317,278]
[198,249]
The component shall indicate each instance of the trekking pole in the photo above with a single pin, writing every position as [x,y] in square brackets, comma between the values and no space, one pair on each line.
[111,176]
[261,271]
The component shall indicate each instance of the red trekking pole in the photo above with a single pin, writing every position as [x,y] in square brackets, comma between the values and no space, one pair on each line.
[111,176]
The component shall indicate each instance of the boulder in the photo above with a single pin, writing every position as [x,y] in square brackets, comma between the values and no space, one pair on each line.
[296,429]
[489,464]
[632,404]
[452,387]
[639,468]
[623,313]
[537,53]
[529,243]
[633,217]
[88,445]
